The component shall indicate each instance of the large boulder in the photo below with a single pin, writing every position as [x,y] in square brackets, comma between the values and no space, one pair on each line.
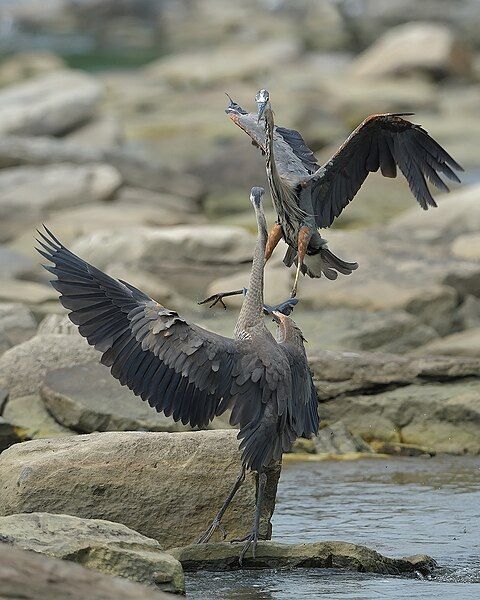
[274,555]
[464,343]
[16,325]
[100,545]
[30,413]
[33,576]
[23,367]
[49,105]
[28,194]
[165,486]
[39,298]
[87,398]
[415,48]
[442,416]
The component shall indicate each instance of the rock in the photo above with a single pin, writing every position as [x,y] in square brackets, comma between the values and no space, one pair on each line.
[165,486]
[464,343]
[32,295]
[103,546]
[415,48]
[201,69]
[51,104]
[16,325]
[23,368]
[87,398]
[443,416]
[3,399]
[44,577]
[467,247]
[337,373]
[223,556]
[57,324]
[29,413]
[28,194]
[25,65]
[399,449]
[14,264]
[468,314]
[104,132]
[337,439]
[10,434]
[465,278]
[180,206]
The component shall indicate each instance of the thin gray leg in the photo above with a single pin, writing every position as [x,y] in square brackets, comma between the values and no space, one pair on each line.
[253,537]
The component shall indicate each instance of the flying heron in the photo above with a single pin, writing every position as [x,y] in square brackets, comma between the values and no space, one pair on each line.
[308,196]
[192,374]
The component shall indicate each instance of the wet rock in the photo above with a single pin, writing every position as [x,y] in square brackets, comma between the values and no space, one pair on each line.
[415,48]
[25,65]
[16,325]
[50,104]
[103,546]
[165,486]
[223,556]
[337,439]
[29,413]
[28,194]
[399,449]
[10,434]
[443,416]
[464,343]
[87,398]
[23,368]
[44,577]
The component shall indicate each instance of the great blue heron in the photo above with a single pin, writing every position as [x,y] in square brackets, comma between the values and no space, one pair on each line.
[307,196]
[190,373]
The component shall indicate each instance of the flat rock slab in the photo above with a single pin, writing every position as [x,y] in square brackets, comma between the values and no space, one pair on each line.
[100,545]
[167,486]
[87,398]
[223,556]
[31,576]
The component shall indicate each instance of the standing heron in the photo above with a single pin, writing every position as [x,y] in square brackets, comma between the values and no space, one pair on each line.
[307,196]
[192,374]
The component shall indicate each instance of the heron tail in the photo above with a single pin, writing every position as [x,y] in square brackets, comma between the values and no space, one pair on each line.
[322,262]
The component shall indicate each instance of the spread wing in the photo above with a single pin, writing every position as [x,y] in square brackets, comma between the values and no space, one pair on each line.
[380,142]
[299,147]
[178,368]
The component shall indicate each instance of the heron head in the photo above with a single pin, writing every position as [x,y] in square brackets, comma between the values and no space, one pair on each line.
[256,195]
[287,329]
[262,99]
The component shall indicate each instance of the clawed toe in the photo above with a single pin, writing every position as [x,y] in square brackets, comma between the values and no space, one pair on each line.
[205,537]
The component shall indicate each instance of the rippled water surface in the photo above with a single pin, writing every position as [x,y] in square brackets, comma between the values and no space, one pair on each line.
[399,507]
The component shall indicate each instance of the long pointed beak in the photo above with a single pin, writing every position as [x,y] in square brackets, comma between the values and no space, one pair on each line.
[261,110]
[277,316]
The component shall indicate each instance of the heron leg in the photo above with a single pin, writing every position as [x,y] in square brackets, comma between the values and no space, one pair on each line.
[252,538]
[274,237]
[304,236]
[216,523]
[215,298]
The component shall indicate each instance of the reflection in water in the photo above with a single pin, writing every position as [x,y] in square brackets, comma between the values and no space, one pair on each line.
[399,507]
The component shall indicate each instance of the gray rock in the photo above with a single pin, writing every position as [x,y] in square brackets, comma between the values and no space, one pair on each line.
[33,295]
[184,207]
[465,278]
[29,413]
[40,576]
[337,439]
[16,325]
[167,486]
[443,416]
[23,368]
[223,556]
[467,315]
[10,434]
[415,48]
[25,65]
[14,264]
[103,546]
[103,132]
[59,324]
[29,194]
[87,398]
[49,104]
[464,343]
[3,399]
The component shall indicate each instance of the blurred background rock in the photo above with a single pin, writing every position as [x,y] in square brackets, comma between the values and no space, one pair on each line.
[114,134]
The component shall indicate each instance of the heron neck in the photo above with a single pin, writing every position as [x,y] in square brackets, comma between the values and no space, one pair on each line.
[269,125]
[252,307]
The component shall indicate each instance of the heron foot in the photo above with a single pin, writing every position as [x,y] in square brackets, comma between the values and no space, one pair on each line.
[251,541]
[216,524]
[216,298]
[285,307]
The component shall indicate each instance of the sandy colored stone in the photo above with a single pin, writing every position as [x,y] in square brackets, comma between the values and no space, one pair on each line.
[10,433]
[103,546]
[464,343]
[165,486]
[30,413]
[16,325]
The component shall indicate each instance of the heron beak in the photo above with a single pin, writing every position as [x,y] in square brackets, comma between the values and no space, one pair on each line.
[261,109]
[277,317]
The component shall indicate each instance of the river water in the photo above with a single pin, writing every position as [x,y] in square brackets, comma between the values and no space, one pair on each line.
[400,507]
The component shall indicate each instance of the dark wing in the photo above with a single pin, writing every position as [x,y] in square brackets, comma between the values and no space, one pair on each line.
[178,368]
[299,147]
[380,142]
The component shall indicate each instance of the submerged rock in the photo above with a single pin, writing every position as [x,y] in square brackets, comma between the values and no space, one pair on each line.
[167,486]
[100,545]
[35,576]
[223,556]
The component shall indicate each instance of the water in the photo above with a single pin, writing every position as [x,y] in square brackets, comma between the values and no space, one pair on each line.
[399,507]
